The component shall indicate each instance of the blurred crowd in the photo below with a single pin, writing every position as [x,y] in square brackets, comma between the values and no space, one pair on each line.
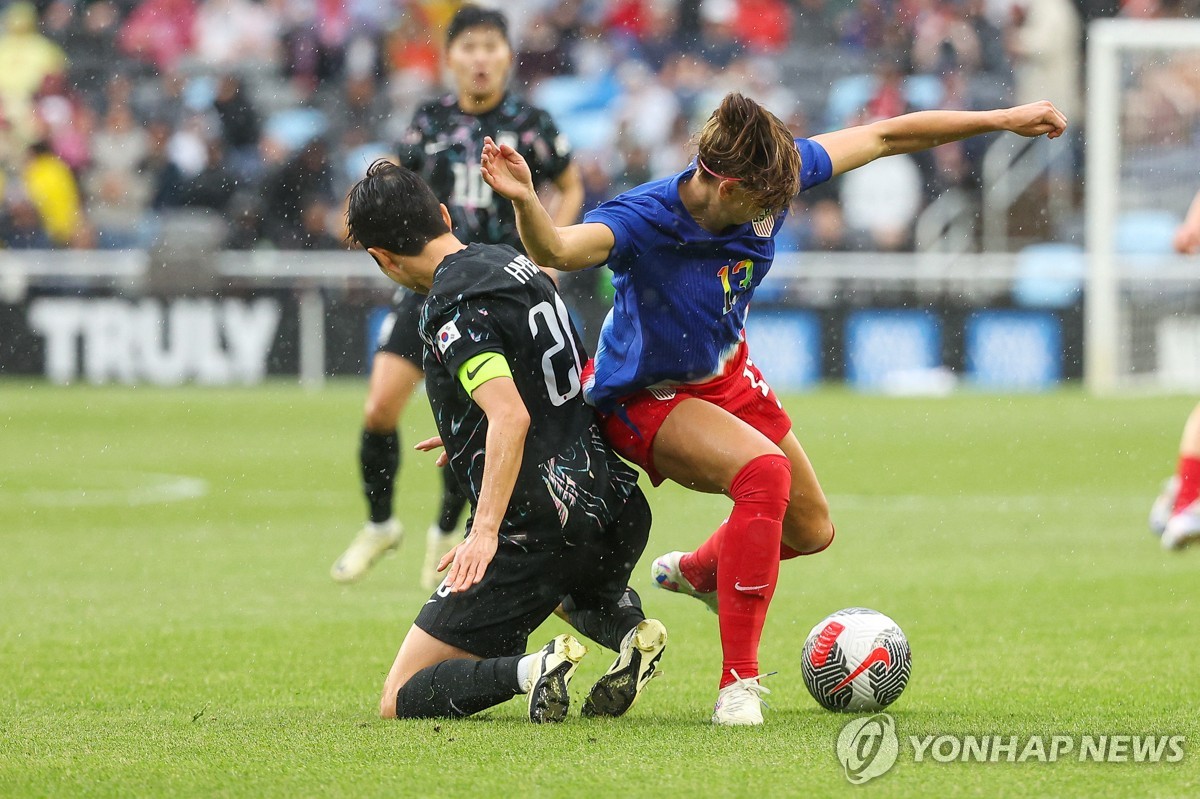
[119,114]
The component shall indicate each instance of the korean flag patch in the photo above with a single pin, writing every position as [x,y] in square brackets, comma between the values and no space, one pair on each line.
[447,336]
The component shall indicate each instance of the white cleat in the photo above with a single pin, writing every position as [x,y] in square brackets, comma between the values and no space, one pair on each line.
[666,575]
[1160,511]
[550,677]
[372,543]
[437,544]
[1184,528]
[740,703]
[636,663]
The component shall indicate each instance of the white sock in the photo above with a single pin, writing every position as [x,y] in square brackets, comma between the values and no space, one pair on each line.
[439,535]
[524,667]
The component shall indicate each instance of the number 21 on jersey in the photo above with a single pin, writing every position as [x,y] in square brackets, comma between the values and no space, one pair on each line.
[560,361]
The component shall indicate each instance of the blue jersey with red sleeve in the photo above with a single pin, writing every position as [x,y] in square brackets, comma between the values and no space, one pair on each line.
[680,291]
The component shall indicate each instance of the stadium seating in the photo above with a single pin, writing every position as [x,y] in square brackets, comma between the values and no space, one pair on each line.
[1146,232]
[1050,275]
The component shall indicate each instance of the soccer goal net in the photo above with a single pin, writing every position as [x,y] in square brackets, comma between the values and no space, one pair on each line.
[1143,169]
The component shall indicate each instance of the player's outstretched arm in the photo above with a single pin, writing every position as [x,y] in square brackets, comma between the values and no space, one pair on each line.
[565,248]
[568,199]
[910,133]
[1187,237]
[508,423]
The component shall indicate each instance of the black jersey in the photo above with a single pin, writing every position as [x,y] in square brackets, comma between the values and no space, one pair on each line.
[493,299]
[444,145]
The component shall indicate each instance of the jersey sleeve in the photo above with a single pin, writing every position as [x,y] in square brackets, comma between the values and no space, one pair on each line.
[479,369]
[410,152]
[624,220]
[816,166]
[461,331]
[549,152]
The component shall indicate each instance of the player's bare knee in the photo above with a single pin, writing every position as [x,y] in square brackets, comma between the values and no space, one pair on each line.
[380,415]
[808,530]
[822,538]
[387,702]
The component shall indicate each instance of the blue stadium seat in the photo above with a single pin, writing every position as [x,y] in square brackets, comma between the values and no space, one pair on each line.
[1144,239]
[357,160]
[1050,275]
[580,107]
[296,127]
[199,93]
[850,94]
[847,97]
[1146,232]
[924,92]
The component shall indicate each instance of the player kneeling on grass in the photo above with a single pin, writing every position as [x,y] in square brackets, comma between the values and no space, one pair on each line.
[557,516]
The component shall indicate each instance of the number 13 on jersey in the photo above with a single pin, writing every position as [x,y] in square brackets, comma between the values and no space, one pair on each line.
[743,285]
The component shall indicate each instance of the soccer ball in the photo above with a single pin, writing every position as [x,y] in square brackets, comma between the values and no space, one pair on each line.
[856,660]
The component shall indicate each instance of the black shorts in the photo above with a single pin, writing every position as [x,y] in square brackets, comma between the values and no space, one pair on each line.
[520,588]
[399,333]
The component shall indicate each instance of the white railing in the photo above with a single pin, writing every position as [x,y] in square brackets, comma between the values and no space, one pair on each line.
[979,278]
[1010,166]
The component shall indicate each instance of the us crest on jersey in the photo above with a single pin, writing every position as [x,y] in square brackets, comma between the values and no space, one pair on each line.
[764,225]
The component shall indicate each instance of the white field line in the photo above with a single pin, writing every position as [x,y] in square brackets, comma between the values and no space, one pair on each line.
[156,489]
[152,489]
[1004,503]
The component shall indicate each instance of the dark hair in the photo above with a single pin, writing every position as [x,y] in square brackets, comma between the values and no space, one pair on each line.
[743,140]
[472,16]
[393,209]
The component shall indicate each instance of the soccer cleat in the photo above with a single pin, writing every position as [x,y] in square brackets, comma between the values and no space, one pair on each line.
[437,544]
[372,543]
[550,676]
[666,575]
[1160,511]
[739,704]
[1184,528]
[636,663]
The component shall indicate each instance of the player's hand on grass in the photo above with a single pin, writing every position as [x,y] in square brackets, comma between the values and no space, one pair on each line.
[469,560]
[1036,119]
[431,444]
[505,170]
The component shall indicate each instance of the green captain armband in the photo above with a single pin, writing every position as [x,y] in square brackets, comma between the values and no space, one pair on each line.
[482,368]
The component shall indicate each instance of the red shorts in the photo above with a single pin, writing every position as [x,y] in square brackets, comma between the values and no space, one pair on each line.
[741,390]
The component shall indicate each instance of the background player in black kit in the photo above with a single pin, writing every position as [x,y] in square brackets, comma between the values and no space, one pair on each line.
[557,515]
[443,145]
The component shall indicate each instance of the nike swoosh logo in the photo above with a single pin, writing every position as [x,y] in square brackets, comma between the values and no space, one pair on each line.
[472,372]
[878,655]
[739,587]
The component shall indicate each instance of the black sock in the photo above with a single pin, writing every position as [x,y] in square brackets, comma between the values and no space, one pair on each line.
[455,688]
[607,626]
[379,457]
[454,499]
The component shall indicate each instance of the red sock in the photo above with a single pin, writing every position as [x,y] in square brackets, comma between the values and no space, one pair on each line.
[1189,482]
[700,567]
[748,565]
[787,553]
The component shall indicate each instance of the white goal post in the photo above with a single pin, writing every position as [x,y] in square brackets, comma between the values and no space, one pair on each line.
[1142,313]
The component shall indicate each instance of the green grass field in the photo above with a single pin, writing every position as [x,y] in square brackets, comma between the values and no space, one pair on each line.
[168,626]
